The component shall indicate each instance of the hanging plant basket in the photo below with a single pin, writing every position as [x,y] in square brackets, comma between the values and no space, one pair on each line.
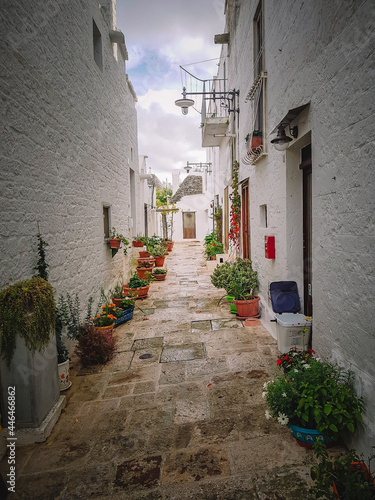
[114,243]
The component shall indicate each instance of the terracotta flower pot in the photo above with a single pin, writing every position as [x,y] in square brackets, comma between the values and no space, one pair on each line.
[256,142]
[142,272]
[114,243]
[160,277]
[143,254]
[146,259]
[159,261]
[247,308]
[117,302]
[137,244]
[108,328]
[170,246]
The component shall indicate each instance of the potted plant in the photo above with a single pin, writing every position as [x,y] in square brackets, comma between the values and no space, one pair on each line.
[137,287]
[220,278]
[95,346]
[212,246]
[159,252]
[138,241]
[242,287]
[316,400]
[256,140]
[115,240]
[27,322]
[160,274]
[345,477]
[66,316]
[106,320]
[127,306]
[117,295]
[144,269]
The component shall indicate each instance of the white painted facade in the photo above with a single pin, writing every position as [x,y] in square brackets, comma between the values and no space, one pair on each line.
[69,144]
[319,54]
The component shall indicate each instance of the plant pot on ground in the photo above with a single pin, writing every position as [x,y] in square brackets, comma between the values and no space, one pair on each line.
[95,346]
[137,287]
[158,253]
[241,282]
[117,295]
[344,477]
[313,395]
[160,274]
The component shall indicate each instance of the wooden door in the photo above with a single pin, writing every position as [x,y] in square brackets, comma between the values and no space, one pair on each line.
[306,167]
[245,221]
[188,224]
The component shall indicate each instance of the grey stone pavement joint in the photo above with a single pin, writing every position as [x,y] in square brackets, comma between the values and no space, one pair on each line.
[177,414]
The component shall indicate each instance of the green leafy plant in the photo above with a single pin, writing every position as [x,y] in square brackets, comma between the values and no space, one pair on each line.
[67,315]
[318,396]
[26,308]
[243,281]
[95,346]
[158,251]
[160,271]
[345,477]
[42,266]
[218,218]
[116,293]
[212,246]
[127,303]
[113,234]
[136,282]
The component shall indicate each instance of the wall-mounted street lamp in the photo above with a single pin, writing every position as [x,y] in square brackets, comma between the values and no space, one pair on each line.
[229,96]
[281,141]
[198,167]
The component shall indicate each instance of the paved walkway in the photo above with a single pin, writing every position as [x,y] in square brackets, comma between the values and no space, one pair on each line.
[177,414]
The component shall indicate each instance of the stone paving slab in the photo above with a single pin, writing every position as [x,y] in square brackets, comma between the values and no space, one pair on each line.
[191,427]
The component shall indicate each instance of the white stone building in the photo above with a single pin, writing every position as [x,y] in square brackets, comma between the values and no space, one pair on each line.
[308,65]
[69,159]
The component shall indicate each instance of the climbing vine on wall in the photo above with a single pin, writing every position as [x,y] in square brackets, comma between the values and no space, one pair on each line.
[235,209]
[218,218]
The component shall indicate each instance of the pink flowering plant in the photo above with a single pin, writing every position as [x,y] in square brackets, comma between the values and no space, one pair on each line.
[316,395]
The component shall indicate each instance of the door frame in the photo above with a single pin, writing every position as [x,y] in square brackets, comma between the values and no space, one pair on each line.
[183,226]
[306,167]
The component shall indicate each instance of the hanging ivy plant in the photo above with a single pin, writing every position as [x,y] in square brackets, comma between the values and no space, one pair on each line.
[28,309]
[235,209]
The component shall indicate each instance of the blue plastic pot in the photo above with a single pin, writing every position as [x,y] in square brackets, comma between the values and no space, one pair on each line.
[307,437]
[127,315]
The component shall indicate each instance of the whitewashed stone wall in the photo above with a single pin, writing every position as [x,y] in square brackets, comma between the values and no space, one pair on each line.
[319,53]
[69,140]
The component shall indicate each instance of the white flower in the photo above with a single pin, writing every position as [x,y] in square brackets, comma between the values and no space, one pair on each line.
[266,384]
[295,354]
[284,395]
[295,370]
[264,394]
[268,415]
[317,359]
[306,366]
[282,419]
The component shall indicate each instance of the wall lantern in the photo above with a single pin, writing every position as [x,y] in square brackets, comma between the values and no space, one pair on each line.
[198,167]
[230,96]
[281,141]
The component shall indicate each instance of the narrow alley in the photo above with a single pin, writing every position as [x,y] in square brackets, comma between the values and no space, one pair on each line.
[177,414]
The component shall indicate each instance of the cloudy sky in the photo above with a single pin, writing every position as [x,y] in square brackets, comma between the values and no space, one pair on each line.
[160,36]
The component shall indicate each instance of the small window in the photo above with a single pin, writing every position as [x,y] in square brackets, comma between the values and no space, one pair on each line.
[263,216]
[97,41]
[106,221]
